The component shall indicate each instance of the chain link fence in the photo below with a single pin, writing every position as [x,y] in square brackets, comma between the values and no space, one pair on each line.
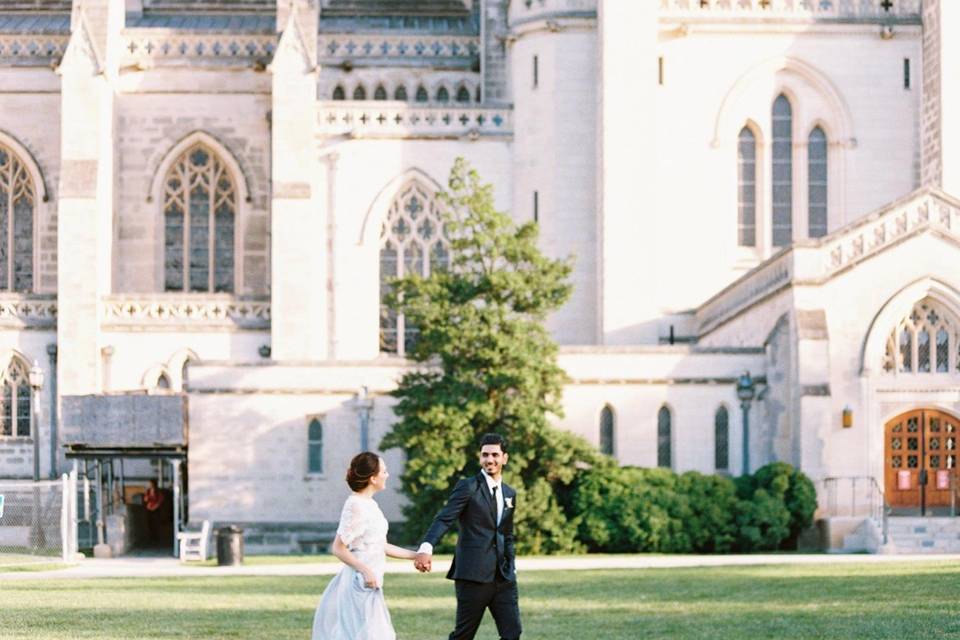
[36,524]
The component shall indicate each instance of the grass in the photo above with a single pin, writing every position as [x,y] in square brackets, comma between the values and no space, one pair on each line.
[895,600]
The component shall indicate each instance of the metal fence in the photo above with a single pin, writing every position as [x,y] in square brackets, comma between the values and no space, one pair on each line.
[36,524]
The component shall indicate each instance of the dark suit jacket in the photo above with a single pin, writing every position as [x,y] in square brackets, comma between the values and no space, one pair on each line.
[482,547]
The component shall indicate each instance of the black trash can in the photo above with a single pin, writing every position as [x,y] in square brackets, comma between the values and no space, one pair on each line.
[229,546]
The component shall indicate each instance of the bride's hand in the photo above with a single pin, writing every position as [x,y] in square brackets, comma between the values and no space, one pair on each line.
[369,579]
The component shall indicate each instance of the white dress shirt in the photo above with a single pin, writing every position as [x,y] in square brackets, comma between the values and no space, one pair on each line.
[426,547]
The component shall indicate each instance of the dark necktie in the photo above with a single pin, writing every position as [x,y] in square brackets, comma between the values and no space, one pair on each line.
[494,494]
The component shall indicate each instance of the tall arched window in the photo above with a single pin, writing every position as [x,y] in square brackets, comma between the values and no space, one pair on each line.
[422,95]
[338,93]
[782,179]
[17,200]
[412,240]
[360,93]
[817,183]
[315,446]
[400,93]
[16,398]
[721,439]
[380,93]
[747,188]
[607,432]
[926,341]
[664,444]
[200,206]
[463,94]
[443,95]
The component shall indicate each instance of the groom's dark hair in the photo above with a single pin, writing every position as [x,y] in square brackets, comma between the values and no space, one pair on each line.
[494,438]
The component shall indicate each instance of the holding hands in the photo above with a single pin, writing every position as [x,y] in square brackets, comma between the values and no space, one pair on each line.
[423,562]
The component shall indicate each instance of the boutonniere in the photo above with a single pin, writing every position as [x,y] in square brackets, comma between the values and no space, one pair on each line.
[508,502]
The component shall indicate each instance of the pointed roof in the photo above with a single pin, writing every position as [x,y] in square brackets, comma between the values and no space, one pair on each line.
[925,211]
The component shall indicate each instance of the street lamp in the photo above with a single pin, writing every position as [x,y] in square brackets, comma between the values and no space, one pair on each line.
[746,392]
[364,404]
[36,383]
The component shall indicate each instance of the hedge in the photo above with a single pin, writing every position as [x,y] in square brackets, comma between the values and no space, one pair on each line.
[632,509]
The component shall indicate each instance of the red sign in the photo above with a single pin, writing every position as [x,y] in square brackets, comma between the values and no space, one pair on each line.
[943,478]
[903,480]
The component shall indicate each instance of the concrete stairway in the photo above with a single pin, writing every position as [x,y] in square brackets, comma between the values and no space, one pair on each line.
[925,535]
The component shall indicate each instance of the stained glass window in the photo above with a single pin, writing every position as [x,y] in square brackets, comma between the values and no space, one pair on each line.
[721,442]
[782,179]
[747,189]
[926,341]
[315,446]
[15,397]
[664,440]
[606,431]
[17,199]
[199,218]
[817,183]
[412,240]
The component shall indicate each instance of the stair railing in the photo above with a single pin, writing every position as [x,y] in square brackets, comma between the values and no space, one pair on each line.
[855,496]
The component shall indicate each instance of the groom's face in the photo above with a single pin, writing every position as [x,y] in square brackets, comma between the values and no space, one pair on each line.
[492,459]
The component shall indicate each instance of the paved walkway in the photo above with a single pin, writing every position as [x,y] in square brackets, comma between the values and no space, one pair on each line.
[132,567]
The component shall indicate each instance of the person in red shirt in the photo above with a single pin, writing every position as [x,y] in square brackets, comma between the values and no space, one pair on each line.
[152,502]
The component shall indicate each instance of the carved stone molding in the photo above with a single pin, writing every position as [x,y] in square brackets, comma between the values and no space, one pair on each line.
[27,311]
[396,120]
[184,312]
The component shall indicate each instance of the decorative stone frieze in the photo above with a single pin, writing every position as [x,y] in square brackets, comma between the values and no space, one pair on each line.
[25,311]
[337,47]
[397,120]
[30,48]
[156,46]
[184,312]
[869,10]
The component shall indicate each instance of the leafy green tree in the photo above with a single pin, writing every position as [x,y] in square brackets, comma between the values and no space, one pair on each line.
[488,365]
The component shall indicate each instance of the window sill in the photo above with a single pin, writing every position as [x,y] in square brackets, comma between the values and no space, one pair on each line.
[16,440]
[315,477]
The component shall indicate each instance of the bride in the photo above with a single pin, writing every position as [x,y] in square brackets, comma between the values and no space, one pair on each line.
[352,607]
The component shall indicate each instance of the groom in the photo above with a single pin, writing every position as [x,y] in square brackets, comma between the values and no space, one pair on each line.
[483,567]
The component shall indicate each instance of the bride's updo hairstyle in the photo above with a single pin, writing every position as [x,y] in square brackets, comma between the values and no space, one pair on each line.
[363,467]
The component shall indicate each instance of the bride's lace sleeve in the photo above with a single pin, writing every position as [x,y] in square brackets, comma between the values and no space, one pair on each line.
[352,522]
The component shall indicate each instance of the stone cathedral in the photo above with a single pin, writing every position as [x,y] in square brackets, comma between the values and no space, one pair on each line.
[200,202]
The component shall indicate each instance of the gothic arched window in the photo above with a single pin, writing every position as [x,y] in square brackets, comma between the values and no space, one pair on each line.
[339,93]
[422,95]
[15,411]
[747,188]
[379,93]
[443,95]
[17,200]
[721,439]
[817,183]
[782,182]
[607,432]
[315,446]
[412,240]
[664,438]
[359,93]
[463,94]
[199,208]
[400,93]
[926,341]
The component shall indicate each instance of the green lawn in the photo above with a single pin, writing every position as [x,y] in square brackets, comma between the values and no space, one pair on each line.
[902,600]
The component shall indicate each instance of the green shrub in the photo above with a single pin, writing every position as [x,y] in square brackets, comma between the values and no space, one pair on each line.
[629,509]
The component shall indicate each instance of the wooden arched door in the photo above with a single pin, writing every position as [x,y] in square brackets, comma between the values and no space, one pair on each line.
[920,458]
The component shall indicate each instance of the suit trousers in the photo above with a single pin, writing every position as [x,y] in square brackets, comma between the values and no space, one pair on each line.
[473,598]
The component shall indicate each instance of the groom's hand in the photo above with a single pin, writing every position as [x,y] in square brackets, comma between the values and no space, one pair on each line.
[423,562]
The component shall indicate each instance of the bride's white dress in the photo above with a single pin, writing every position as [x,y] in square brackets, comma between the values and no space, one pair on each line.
[348,609]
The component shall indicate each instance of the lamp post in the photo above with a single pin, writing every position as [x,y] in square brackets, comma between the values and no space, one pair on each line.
[35,375]
[36,383]
[746,391]
[364,404]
